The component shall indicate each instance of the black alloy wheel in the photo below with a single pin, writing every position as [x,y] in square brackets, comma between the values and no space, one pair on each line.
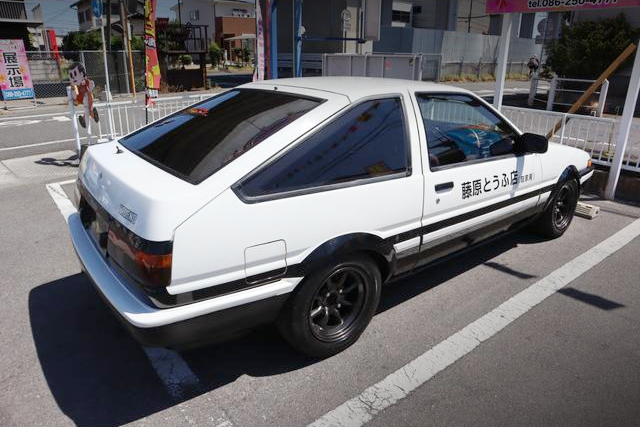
[331,307]
[337,303]
[563,207]
[555,220]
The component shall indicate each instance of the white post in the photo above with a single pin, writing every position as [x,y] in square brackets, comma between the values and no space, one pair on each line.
[106,79]
[602,99]
[533,90]
[74,123]
[624,129]
[503,54]
[551,97]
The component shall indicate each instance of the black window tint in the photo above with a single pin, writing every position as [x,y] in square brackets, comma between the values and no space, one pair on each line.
[367,141]
[461,128]
[194,143]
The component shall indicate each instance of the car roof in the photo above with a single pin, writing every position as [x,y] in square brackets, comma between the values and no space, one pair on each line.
[360,87]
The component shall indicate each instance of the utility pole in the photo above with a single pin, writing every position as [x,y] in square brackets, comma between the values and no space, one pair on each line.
[124,20]
[108,46]
[469,18]
[180,13]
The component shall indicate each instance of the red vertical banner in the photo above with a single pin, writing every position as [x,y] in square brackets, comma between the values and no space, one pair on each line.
[152,66]
[258,75]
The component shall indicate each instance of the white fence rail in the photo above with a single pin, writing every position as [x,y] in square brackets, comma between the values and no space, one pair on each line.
[129,116]
[597,136]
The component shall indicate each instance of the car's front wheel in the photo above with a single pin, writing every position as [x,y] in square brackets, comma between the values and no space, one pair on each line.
[555,220]
[332,307]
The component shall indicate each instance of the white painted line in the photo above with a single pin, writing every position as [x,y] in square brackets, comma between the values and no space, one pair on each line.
[168,364]
[398,385]
[60,198]
[172,370]
[38,144]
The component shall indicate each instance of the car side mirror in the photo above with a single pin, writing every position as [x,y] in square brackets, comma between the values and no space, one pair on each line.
[531,143]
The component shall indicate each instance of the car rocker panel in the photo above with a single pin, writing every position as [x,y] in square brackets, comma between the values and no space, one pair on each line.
[304,204]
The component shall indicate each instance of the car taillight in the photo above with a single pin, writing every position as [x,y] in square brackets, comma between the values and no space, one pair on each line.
[147,262]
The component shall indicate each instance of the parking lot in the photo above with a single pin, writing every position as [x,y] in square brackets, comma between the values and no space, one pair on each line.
[519,331]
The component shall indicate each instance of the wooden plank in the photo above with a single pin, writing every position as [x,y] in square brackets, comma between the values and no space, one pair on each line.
[605,74]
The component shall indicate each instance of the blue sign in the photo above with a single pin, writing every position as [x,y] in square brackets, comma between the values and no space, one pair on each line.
[9,94]
[96,7]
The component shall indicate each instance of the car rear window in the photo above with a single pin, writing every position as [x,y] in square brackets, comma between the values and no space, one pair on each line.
[194,143]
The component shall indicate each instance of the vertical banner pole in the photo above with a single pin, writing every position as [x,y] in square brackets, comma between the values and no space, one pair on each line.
[297,40]
[503,54]
[273,29]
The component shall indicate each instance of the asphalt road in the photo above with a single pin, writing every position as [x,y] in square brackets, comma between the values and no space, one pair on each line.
[572,359]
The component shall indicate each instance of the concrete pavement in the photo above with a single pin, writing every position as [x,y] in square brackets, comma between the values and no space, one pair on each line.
[571,360]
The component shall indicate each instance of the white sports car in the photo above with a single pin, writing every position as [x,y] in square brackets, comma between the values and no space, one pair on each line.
[294,200]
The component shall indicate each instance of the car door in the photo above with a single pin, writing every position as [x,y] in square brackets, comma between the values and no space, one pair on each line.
[475,184]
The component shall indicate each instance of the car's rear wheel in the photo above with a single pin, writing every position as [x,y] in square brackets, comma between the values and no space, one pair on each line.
[332,307]
[555,220]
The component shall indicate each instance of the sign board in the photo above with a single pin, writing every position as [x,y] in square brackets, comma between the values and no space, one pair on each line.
[529,6]
[15,77]
[345,15]
[96,8]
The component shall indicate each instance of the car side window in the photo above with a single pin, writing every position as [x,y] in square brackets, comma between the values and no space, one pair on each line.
[460,128]
[367,141]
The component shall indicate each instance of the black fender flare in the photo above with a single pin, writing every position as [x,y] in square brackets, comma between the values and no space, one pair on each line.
[568,174]
[338,248]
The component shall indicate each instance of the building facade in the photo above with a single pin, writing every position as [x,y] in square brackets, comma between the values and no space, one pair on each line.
[19,20]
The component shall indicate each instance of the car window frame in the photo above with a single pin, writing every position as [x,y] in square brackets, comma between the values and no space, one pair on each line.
[489,107]
[237,186]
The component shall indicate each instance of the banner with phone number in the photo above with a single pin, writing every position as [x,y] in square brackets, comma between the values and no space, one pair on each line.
[152,66]
[528,6]
[15,76]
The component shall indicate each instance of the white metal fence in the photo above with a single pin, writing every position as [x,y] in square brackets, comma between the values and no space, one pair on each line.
[123,117]
[595,135]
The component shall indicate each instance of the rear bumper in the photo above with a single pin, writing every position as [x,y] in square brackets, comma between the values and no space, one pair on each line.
[211,319]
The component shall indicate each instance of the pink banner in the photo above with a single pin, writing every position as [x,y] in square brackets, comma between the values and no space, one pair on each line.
[528,6]
[15,77]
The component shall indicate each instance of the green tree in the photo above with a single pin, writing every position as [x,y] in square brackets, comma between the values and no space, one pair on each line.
[586,49]
[77,40]
[215,54]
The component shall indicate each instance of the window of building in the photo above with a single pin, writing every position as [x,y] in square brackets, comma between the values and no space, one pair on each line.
[87,15]
[401,16]
[194,15]
[460,128]
[368,141]
[240,13]
[80,17]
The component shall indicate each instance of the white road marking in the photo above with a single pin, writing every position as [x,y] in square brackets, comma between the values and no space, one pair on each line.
[398,385]
[60,198]
[168,364]
[172,370]
[60,119]
[37,144]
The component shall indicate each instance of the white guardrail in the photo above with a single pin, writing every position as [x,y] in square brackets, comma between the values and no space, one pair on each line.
[595,135]
[129,116]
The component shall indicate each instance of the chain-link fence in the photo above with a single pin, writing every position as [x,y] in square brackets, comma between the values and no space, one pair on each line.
[50,71]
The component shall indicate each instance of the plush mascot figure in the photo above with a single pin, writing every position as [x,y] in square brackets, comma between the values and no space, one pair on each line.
[82,88]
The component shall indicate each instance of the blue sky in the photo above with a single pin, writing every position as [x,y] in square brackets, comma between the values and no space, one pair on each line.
[58,14]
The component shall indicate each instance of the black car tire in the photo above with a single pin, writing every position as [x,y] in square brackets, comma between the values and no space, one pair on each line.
[332,307]
[557,217]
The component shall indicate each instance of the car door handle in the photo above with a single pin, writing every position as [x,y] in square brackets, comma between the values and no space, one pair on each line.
[445,186]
